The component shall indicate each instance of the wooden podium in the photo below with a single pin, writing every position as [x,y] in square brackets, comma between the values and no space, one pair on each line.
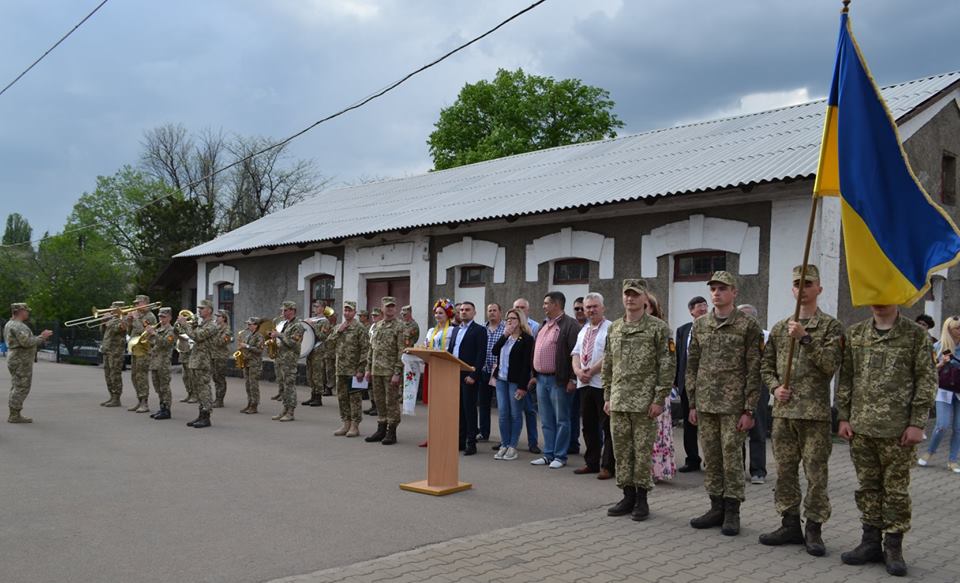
[443,432]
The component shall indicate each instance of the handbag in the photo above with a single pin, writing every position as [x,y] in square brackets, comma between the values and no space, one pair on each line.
[949,377]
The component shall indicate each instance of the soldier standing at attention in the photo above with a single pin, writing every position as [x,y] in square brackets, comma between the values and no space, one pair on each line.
[162,340]
[887,385]
[411,330]
[288,339]
[251,345]
[639,366]
[349,342]
[113,345]
[384,368]
[316,358]
[723,385]
[221,352]
[801,413]
[137,322]
[329,356]
[22,346]
[204,334]
[184,347]
[376,315]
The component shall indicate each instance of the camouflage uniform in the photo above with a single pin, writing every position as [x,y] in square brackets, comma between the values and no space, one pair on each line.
[887,383]
[184,348]
[253,365]
[221,352]
[350,347]
[161,353]
[288,351]
[329,361]
[204,337]
[383,361]
[801,426]
[140,365]
[639,365]
[411,333]
[317,359]
[113,345]
[22,346]
[723,382]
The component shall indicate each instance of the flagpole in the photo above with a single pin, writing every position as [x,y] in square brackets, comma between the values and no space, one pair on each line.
[803,274]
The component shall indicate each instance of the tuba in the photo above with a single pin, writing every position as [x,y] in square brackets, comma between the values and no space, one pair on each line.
[139,346]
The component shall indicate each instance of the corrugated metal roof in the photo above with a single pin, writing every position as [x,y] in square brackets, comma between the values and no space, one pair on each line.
[769,146]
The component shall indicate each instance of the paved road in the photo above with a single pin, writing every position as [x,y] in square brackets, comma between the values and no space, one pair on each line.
[93,494]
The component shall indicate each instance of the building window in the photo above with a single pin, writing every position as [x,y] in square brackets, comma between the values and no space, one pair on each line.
[948,179]
[225,300]
[698,266]
[472,276]
[571,271]
[321,290]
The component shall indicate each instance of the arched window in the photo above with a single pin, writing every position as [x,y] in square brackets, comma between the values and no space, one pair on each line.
[321,289]
[225,300]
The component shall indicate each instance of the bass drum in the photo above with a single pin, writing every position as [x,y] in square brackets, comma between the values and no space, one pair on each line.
[309,340]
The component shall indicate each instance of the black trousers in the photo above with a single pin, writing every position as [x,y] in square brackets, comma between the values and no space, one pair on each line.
[484,398]
[690,445]
[596,430]
[468,413]
[758,435]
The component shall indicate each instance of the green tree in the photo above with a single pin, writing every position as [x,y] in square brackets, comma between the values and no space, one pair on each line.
[15,258]
[517,113]
[18,230]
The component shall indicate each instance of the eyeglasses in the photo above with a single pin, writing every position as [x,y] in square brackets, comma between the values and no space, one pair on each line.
[578,308]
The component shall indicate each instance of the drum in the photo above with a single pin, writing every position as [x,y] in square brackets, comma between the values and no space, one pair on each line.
[309,340]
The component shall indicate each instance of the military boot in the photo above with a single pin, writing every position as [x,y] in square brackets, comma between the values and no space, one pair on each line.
[163,413]
[641,510]
[372,411]
[379,434]
[16,417]
[279,415]
[157,412]
[313,398]
[789,532]
[731,517]
[142,406]
[275,397]
[287,416]
[354,429]
[135,407]
[868,551]
[203,421]
[185,399]
[113,401]
[391,436]
[711,518]
[246,409]
[197,420]
[626,504]
[318,401]
[893,554]
[252,409]
[192,399]
[813,540]
[343,429]
[328,392]
[217,403]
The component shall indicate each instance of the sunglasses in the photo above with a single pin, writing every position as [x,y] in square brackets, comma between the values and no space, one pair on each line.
[577,309]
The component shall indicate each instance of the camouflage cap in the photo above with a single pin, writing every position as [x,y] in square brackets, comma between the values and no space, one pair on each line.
[142,298]
[406,309]
[17,306]
[288,305]
[812,273]
[724,277]
[205,304]
[350,304]
[165,311]
[117,304]
[223,313]
[376,312]
[388,301]
[636,284]
[363,313]
[253,320]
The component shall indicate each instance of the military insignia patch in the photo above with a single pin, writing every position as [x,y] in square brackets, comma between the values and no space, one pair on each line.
[672,345]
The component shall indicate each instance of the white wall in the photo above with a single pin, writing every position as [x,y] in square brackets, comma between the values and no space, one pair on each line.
[404,258]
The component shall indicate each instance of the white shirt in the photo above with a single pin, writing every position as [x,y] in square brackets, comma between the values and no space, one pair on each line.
[597,354]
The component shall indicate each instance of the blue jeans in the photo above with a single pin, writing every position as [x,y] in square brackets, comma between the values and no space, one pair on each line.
[948,422]
[554,402]
[510,412]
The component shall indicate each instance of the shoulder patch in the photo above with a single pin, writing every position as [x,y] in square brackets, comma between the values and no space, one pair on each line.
[672,345]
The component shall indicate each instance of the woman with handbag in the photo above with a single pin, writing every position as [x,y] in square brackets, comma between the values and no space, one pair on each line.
[948,398]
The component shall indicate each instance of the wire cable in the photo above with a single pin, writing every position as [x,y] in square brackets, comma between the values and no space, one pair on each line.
[55,45]
[355,105]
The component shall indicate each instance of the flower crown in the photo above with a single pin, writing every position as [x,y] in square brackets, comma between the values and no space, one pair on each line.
[446,305]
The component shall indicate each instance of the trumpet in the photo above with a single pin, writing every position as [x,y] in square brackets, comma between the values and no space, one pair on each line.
[191,319]
[140,346]
[100,315]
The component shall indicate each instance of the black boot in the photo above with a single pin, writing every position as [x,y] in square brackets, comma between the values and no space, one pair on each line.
[731,517]
[625,505]
[713,517]
[893,554]
[640,509]
[391,436]
[813,540]
[317,401]
[313,398]
[327,392]
[789,533]
[379,435]
[372,411]
[163,413]
[197,420]
[868,551]
[204,420]
[155,413]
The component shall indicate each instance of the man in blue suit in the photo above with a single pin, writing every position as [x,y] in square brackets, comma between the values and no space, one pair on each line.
[468,342]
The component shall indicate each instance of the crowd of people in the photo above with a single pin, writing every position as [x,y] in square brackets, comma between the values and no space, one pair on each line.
[610,382]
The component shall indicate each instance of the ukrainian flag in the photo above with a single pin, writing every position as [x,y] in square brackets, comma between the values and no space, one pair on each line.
[895,236]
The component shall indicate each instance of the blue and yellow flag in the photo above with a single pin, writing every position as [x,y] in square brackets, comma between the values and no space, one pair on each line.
[895,236]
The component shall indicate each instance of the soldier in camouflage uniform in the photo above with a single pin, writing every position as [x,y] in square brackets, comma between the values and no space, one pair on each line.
[723,385]
[330,358]
[384,368]
[639,365]
[316,360]
[350,342]
[375,316]
[887,385]
[801,413]
[22,346]
[221,352]
[288,351]
[251,345]
[184,347]
[411,330]
[204,335]
[113,345]
[162,341]
[137,322]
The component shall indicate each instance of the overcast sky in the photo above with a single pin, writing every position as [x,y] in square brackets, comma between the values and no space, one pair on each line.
[270,68]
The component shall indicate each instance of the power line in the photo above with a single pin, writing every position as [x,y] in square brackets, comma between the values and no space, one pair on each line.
[55,45]
[355,105]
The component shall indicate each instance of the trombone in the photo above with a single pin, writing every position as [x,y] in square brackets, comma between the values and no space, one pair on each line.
[100,315]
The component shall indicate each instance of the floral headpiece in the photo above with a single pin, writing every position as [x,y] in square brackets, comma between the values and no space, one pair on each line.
[446,305]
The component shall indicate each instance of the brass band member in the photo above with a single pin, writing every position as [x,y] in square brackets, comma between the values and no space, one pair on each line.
[113,345]
[288,351]
[204,334]
[251,346]
[22,345]
[162,341]
[137,322]
[221,352]
[316,360]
